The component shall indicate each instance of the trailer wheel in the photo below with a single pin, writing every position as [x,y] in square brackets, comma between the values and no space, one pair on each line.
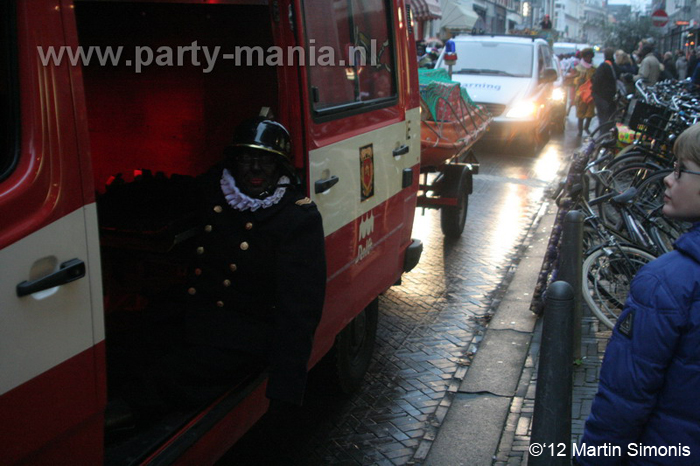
[354,346]
[453,218]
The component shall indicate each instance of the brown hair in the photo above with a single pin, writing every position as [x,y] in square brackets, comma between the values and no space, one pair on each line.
[687,146]
[622,58]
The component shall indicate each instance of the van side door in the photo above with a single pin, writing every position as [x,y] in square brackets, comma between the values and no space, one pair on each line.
[51,332]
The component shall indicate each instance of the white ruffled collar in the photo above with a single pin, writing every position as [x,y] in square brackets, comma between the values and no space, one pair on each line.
[239,201]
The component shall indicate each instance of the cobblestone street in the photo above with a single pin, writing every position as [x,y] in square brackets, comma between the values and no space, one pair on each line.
[430,327]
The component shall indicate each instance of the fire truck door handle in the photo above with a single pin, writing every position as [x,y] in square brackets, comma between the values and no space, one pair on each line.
[399,151]
[324,185]
[69,271]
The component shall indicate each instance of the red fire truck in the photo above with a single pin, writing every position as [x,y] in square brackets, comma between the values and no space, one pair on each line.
[104,93]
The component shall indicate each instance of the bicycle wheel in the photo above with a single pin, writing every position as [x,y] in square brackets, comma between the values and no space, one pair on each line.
[619,180]
[650,192]
[607,275]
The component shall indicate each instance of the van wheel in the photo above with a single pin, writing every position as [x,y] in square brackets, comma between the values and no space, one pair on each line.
[353,348]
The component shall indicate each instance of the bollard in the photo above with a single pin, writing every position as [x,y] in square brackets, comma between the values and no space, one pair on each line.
[551,423]
[570,269]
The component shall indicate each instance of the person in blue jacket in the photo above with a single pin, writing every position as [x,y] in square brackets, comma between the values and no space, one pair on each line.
[646,410]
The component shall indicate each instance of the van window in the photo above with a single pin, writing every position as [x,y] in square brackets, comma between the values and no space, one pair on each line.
[545,59]
[350,54]
[540,60]
[9,114]
[494,58]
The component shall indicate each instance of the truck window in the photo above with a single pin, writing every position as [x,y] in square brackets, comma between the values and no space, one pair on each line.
[9,113]
[350,55]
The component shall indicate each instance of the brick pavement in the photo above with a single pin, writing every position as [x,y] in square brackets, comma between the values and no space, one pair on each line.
[515,439]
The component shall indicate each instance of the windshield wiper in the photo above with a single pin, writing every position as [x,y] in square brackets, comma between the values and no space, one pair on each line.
[469,71]
[483,71]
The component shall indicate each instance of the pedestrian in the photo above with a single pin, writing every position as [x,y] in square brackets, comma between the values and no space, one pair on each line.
[254,291]
[627,70]
[692,61]
[429,59]
[695,78]
[670,71]
[649,66]
[546,23]
[624,62]
[605,87]
[681,65]
[569,76]
[650,375]
[585,108]
[421,48]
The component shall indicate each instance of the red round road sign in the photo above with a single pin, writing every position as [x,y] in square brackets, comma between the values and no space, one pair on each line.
[659,18]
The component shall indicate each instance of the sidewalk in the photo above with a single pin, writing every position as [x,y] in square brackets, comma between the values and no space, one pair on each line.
[488,417]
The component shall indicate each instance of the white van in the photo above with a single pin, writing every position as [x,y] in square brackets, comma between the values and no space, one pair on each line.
[512,77]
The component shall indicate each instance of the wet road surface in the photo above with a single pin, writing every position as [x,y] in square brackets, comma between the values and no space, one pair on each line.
[429,329]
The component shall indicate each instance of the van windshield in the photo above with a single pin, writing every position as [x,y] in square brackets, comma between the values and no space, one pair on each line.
[494,58]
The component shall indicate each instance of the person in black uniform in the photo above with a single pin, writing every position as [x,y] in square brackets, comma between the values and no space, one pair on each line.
[255,287]
[258,279]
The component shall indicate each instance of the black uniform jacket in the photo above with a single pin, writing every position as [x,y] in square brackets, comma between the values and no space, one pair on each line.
[605,81]
[258,281]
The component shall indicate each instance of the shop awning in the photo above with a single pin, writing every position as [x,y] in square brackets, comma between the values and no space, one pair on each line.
[458,17]
[425,10]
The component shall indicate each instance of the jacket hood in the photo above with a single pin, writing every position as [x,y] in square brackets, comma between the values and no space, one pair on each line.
[689,243]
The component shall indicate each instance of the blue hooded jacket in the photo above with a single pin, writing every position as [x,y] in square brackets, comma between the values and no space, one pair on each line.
[649,386]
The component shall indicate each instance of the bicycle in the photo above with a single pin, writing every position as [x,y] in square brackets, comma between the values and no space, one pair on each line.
[610,263]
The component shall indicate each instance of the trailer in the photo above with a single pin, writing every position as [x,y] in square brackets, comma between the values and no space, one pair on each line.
[451,124]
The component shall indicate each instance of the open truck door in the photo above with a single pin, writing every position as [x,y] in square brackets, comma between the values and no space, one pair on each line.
[51,328]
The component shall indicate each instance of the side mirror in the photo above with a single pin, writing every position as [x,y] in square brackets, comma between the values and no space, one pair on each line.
[549,75]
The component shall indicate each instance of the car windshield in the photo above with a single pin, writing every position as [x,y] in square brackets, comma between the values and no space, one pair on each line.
[494,58]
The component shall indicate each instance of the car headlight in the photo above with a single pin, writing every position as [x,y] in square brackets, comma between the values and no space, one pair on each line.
[558,94]
[522,109]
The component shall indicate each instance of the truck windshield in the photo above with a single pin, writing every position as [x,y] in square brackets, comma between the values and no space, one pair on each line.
[494,58]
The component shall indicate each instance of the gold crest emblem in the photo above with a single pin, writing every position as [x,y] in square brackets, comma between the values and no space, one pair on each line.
[367,171]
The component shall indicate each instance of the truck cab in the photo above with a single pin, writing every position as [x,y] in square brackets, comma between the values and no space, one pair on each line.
[103,99]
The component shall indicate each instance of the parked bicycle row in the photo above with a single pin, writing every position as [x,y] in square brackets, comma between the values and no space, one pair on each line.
[620,192]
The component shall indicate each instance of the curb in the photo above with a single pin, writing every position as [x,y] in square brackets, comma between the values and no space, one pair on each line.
[478,420]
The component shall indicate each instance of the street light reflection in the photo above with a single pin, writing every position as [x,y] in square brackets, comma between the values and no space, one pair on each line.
[547,164]
[423,226]
[507,228]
